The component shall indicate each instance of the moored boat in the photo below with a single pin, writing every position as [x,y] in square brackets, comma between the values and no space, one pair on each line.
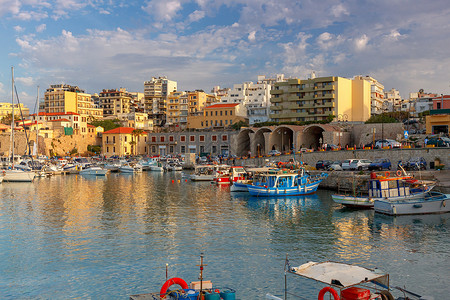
[285,183]
[203,173]
[385,187]
[93,170]
[202,289]
[430,203]
[18,176]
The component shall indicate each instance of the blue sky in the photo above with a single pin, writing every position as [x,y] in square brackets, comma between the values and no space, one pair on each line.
[98,44]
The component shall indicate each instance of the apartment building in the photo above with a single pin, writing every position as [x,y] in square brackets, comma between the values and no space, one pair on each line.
[124,141]
[19,110]
[64,98]
[376,95]
[73,122]
[156,92]
[115,101]
[315,99]
[392,100]
[220,115]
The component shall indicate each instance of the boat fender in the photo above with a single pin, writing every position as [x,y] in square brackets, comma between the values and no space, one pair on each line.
[330,290]
[399,173]
[443,201]
[387,174]
[172,281]
[385,295]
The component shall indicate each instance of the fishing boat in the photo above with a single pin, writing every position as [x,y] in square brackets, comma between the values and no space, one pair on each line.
[94,171]
[429,203]
[400,187]
[204,173]
[285,183]
[202,289]
[222,175]
[241,178]
[130,168]
[344,281]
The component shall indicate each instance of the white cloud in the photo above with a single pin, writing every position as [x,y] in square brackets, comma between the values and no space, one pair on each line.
[41,28]
[339,10]
[164,10]
[196,16]
[19,28]
[28,81]
[30,15]
[252,36]
[361,43]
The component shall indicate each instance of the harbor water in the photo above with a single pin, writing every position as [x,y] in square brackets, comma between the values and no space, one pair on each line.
[110,237]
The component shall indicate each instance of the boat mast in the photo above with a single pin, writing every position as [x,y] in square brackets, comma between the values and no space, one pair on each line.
[12,122]
[37,124]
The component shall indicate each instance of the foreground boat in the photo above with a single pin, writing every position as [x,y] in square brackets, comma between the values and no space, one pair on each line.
[393,188]
[202,289]
[204,173]
[94,171]
[430,203]
[18,176]
[285,183]
[344,281]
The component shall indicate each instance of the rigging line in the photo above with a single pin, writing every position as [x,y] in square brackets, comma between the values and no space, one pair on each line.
[21,115]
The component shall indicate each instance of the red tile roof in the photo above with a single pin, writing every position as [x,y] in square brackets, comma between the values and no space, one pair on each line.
[60,120]
[124,130]
[223,105]
[56,114]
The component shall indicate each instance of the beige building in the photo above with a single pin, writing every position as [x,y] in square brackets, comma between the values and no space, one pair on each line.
[376,95]
[316,99]
[115,101]
[137,120]
[220,115]
[124,141]
[59,121]
[6,109]
[156,92]
[64,98]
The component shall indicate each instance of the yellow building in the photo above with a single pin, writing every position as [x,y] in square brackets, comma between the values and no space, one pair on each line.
[63,98]
[218,116]
[174,103]
[115,102]
[6,109]
[317,98]
[124,141]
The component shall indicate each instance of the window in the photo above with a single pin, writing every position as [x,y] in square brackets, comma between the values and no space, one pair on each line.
[192,138]
[214,149]
[231,112]
[153,139]
[153,149]
[201,123]
[171,138]
[202,138]
[220,112]
[125,138]
[125,149]
[183,149]
[183,138]
[206,123]
[216,112]
[226,122]
[171,149]
[206,113]
[114,149]
[224,138]
[114,140]
[214,138]
[226,112]
[161,139]
[107,149]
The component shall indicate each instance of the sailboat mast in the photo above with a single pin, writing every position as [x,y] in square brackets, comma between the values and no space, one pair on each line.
[12,122]
[37,124]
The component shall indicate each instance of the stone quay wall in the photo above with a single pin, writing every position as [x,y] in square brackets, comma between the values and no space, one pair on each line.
[395,155]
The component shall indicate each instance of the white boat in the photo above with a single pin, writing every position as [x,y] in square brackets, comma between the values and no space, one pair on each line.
[174,167]
[18,176]
[112,165]
[204,173]
[392,188]
[96,171]
[431,203]
[130,168]
[157,167]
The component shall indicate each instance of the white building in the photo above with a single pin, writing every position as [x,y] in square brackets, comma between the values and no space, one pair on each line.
[392,101]
[254,97]
[376,95]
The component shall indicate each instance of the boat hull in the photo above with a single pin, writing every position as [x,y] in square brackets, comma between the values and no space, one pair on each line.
[202,177]
[431,205]
[18,176]
[261,191]
[239,187]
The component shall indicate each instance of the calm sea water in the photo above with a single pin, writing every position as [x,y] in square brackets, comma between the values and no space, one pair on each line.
[108,238]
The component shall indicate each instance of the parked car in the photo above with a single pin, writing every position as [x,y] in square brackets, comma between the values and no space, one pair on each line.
[380,164]
[439,142]
[274,152]
[346,164]
[330,147]
[387,143]
[415,163]
[335,166]
[360,164]
[323,164]
[371,144]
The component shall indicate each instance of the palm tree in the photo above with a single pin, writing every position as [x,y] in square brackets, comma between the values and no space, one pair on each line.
[135,133]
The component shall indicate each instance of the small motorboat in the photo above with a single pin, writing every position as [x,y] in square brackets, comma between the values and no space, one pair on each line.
[94,171]
[202,289]
[344,281]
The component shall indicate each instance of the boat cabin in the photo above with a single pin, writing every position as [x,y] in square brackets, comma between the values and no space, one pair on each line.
[389,187]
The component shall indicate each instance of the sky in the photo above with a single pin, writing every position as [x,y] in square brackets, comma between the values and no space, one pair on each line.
[109,44]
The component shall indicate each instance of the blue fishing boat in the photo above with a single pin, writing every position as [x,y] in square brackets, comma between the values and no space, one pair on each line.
[285,183]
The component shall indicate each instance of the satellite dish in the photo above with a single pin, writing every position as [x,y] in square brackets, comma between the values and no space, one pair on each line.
[421,91]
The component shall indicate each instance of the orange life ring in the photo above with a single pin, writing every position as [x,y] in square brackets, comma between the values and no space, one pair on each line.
[328,289]
[172,281]
[387,174]
[399,173]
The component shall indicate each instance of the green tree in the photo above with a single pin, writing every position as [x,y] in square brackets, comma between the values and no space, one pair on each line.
[106,124]
[135,133]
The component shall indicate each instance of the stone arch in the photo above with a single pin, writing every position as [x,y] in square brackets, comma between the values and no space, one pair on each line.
[260,141]
[282,139]
[243,142]
[313,135]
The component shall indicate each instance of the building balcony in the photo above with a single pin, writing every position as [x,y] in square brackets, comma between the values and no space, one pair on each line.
[294,90]
[277,107]
[276,92]
[275,100]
